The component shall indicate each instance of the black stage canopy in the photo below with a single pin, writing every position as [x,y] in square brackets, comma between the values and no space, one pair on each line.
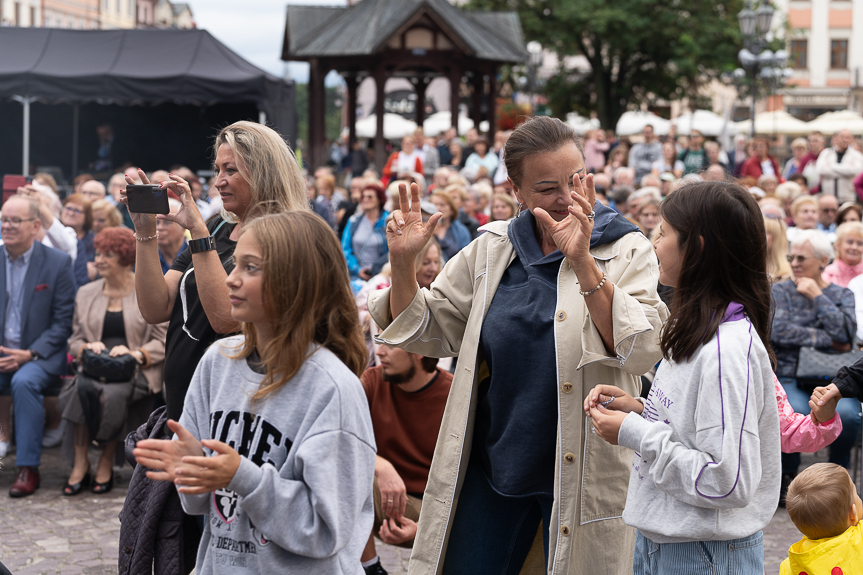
[178,69]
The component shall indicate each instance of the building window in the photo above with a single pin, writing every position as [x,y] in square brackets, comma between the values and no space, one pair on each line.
[839,54]
[798,54]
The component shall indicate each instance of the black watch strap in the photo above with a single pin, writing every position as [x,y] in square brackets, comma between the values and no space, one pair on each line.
[35,354]
[202,245]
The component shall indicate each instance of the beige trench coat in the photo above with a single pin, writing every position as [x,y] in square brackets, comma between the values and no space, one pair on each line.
[587,533]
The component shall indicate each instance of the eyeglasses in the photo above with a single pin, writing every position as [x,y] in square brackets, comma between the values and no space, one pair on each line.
[15,222]
[800,259]
[829,210]
[370,197]
[72,210]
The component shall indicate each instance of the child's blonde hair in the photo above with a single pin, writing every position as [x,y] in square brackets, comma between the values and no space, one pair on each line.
[819,500]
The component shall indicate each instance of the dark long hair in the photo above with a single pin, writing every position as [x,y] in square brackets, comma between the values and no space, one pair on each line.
[720,232]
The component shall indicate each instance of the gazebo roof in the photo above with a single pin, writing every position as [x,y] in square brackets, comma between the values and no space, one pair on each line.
[365,29]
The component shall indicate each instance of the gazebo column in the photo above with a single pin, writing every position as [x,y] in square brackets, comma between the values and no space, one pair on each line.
[352,84]
[380,149]
[317,95]
[492,105]
[455,84]
[421,85]
[476,103]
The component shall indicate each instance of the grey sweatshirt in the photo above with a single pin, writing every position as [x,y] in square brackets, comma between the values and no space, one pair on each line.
[301,500]
[707,445]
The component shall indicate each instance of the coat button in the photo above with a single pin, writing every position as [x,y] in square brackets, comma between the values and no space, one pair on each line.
[567,387]
[561,315]
[569,457]
[565,530]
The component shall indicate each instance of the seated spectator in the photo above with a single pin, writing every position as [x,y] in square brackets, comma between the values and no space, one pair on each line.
[647,181]
[93,190]
[828,207]
[624,176]
[812,312]
[502,208]
[451,233]
[404,161]
[616,159]
[458,193]
[648,215]
[778,267]
[46,179]
[38,300]
[471,206]
[482,163]
[329,197]
[117,188]
[172,237]
[79,180]
[787,192]
[715,156]
[407,395]
[849,255]
[804,214]
[768,183]
[849,212]
[107,319]
[715,173]
[77,214]
[668,162]
[105,216]
[456,156]
[799,149]
[364,241]
[761,162]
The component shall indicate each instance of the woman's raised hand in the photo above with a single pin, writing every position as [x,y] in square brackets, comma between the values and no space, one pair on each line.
[571,235]
[189,216]
[145,224]
[406,233]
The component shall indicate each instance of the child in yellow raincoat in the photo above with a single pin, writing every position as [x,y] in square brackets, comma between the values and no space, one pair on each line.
[823,503]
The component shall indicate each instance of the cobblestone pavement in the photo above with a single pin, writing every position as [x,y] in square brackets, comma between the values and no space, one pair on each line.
[48,533]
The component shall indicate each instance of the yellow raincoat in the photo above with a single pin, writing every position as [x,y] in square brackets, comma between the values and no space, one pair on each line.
[840,555]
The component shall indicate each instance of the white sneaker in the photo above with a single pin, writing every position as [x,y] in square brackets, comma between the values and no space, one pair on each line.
[4,447]
[52,437]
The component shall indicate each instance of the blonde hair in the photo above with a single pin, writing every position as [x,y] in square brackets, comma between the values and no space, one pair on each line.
[418,262]
[448,199]
[848,228]
[307,293]
[266,162]
[795,205]
[819,500]
[111,214]
[505,198]
[788,191]
[800,143]
[777,265]
[458,189]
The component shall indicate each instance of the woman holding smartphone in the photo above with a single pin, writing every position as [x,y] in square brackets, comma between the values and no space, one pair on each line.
[256,174]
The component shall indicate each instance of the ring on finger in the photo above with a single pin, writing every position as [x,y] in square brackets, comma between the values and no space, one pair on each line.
[592,215]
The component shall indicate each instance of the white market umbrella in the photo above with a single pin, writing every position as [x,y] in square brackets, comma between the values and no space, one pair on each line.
[833,122]
[633,122]
[440,122]
[395,127]
[775,122]
[706,122]
[580,124]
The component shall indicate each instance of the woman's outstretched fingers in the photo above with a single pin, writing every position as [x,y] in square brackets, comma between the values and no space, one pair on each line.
[591,190]
[404,205]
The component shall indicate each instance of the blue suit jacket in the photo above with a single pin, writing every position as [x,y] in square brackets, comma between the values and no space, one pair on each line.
[48,304]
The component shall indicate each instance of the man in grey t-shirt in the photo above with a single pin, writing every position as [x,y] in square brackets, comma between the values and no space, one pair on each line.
[642,156]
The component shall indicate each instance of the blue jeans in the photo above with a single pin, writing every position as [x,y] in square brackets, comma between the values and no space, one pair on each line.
[27,385]
[840,450]
[491,533]
[743,556]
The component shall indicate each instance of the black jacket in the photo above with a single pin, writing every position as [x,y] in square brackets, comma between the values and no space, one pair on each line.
[153,525]
[849,380]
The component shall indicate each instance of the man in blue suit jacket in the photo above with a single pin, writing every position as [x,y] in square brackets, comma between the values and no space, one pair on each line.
[35,324]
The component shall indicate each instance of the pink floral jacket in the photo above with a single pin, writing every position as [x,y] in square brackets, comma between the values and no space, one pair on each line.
[799,432]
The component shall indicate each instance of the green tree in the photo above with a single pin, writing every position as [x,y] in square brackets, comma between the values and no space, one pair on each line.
[637,50]
[332,112]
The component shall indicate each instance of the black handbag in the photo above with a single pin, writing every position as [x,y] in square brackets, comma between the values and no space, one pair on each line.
[106,369]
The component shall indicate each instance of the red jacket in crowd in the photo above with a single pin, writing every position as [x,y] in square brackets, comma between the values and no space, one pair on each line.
[752,167]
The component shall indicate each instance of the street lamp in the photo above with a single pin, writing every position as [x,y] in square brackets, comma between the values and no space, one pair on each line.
[758,61]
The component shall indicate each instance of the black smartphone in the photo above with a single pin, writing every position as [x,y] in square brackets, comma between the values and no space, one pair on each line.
[147,199]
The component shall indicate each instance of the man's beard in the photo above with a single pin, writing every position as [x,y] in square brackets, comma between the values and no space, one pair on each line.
[400,378]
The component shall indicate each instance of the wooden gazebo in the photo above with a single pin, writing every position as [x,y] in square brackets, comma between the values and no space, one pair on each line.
[414,39]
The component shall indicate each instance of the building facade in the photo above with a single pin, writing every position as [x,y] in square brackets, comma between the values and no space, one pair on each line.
[116,14]
[21,13]
[825,44]
[74,14]
[168,14]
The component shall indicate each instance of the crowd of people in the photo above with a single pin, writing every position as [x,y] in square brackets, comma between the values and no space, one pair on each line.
[317,360]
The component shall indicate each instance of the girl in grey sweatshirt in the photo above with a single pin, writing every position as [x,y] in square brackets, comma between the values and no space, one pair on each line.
[275,444]
[706,468]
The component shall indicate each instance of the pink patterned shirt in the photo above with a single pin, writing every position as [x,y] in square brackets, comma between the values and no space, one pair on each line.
[799,433]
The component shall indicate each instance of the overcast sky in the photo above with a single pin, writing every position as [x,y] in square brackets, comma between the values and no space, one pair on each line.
[254,29]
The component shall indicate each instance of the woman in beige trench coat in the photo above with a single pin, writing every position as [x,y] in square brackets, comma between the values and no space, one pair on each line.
[602,322]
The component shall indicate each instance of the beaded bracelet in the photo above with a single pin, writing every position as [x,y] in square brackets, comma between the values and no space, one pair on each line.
[602,283]
[147,239]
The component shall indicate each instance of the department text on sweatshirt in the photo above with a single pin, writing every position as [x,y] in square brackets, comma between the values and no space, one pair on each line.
[707,445]
[301,500]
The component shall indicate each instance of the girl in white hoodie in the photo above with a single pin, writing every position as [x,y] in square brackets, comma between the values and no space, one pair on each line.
[706,469]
